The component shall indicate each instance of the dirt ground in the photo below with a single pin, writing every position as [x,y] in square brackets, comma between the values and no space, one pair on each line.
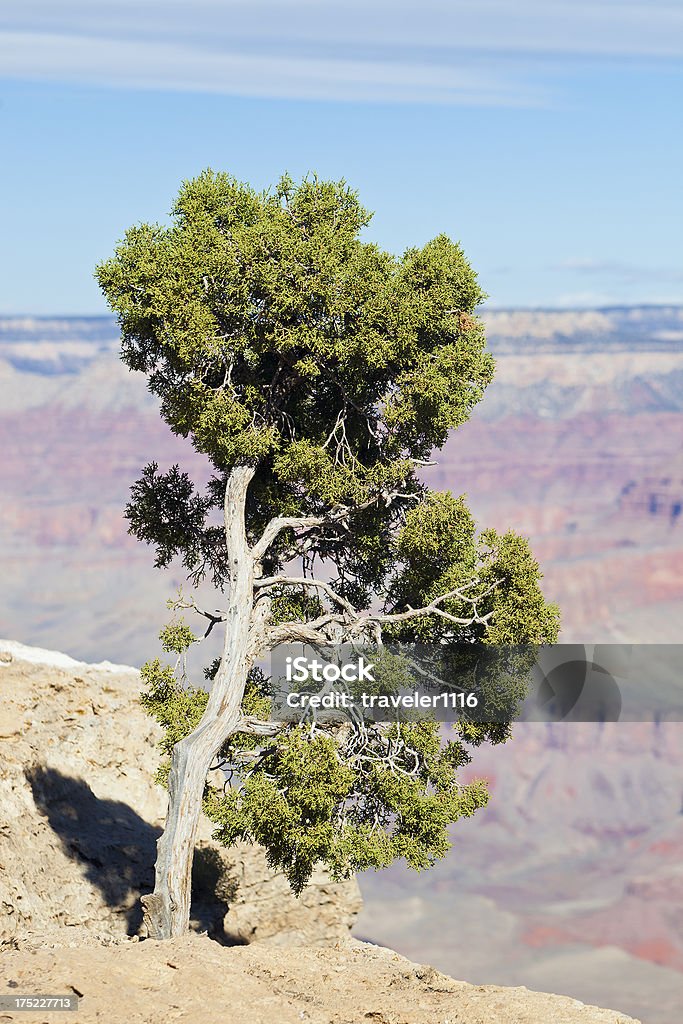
[196,980]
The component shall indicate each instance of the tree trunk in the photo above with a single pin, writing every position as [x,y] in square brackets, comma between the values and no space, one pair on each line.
[167,909]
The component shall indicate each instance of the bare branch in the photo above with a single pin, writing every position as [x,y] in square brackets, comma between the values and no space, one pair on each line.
[433,607]
[334,517]
[280,523]
[191,604]
[310,583]
[354,624]
[299,632]
[255,727]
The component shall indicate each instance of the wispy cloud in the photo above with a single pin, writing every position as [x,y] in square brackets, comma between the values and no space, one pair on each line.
[161,65]
[622,272]
[625,27]
[446,51]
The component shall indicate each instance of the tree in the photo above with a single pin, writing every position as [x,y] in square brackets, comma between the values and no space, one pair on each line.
[317,374]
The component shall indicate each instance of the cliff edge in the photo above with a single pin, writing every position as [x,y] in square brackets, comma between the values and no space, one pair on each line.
[79,818]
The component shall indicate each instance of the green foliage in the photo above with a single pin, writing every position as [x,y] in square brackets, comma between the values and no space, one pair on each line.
[275,338]
[311,800]
[177,636]
[177,709]
[165,511]
[520,612]
[292,604]
[438,551]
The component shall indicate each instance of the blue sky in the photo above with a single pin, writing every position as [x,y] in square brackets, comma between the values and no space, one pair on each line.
[544,135]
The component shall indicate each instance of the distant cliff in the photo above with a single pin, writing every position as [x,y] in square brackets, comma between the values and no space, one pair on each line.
[584,415]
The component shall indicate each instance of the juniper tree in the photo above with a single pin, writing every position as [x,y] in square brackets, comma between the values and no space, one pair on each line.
[317,374]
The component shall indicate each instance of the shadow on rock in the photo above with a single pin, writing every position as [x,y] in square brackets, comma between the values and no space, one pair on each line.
[116,849]
[213,890]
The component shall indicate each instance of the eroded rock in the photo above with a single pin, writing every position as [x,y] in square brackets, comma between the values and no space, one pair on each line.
[80,816]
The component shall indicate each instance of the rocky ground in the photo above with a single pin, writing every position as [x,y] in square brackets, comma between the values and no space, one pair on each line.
[196,980]
[79,818]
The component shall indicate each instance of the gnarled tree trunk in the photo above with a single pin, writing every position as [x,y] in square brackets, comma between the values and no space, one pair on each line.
[167,909]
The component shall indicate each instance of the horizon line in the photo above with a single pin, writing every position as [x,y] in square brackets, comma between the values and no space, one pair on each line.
[525,308]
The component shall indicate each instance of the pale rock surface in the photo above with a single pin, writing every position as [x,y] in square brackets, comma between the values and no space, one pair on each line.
[79,819]
[199,982]
[80,815]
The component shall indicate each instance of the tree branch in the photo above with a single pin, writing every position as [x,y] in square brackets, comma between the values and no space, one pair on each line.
[433,607]
[333,517]
[299,632]
[354,623]
[253,726]
[304,581]
[191,604]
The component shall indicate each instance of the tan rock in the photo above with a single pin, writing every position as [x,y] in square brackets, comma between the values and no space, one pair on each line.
[80,816]
[199,982]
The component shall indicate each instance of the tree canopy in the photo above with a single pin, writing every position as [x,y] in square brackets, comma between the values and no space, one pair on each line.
[318,374]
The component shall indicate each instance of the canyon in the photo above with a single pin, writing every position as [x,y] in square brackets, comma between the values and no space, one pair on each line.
[570,880]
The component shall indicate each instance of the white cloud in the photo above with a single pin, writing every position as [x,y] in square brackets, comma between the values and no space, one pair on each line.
[185,67]
[599,27]
[446,51]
